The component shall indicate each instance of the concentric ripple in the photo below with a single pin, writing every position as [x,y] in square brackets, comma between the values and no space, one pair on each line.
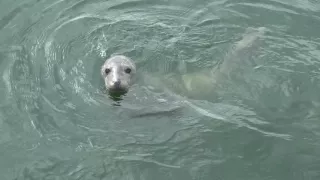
[56,121]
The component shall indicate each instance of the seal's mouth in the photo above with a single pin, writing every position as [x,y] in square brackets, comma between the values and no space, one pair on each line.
[117,95]
[117,92]
[117,89]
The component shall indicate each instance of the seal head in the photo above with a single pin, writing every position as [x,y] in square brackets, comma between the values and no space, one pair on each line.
[118,73]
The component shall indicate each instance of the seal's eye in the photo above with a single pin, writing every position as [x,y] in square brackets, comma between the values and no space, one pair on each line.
[107,71]
[127,70]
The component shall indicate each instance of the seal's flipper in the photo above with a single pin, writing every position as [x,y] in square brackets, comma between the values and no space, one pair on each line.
[241,50]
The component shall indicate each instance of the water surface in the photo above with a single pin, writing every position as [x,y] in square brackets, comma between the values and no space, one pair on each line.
[57,123]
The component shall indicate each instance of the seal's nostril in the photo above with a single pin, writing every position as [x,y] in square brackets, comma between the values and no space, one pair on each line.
[117,83]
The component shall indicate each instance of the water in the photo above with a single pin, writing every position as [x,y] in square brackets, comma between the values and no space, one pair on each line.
[57,123]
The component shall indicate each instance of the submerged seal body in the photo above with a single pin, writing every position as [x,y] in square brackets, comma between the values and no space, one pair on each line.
[118,73]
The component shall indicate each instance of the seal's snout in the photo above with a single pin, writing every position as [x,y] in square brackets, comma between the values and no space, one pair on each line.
[117,86]
[117,83]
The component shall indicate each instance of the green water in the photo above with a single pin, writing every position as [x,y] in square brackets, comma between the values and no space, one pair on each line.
[56,122]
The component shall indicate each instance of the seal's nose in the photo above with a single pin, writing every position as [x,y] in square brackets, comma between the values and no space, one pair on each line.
[116,84]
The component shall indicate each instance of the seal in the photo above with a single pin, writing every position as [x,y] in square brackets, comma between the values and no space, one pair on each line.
[118,73]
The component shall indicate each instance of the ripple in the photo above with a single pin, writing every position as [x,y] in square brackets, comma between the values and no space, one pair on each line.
[159,34]
[53,94]
[5,20]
